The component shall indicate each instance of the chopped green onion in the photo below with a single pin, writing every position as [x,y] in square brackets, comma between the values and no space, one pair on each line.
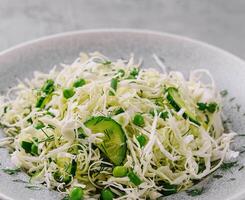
[106,194]
[79,83]
[48,86]
[212,107]
[134,72]
[68,93]
[76,193]
[120,73]
[142,140]
[114,83]
[202,106]
[119,171]
[138,120]
[164,115]
[40,102]
[39,125]
[134,178]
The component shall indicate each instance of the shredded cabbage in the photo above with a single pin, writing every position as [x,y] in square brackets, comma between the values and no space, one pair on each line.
[177,150]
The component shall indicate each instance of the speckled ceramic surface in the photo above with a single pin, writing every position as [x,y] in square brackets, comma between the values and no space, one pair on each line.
[178,52]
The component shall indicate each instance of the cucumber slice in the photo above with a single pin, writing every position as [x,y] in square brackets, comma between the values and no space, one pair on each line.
[114,142]
[177,102]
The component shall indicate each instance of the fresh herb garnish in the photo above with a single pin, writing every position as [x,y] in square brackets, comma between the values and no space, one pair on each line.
[224,93]
[217,176]
[195,192]
[19,181]
[240,168]
[33,187]
[232,99]
[228,165]
[11,171]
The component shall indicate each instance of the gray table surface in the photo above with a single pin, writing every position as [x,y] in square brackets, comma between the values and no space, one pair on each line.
[219,22]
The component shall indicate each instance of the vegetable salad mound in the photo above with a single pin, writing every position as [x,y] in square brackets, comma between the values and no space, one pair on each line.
[108,129]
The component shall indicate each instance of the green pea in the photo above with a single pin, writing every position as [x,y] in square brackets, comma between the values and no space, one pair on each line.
[138,120]
[119,171]
[106,194]
[76,193]
[142,140]
[68,93]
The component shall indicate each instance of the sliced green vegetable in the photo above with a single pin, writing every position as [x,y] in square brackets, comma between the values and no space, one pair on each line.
[68,93]
[106,194]
[134,178]
[48,86]
[119,171]
[142,140]
[114,83]
[79,83]
[177,102]
[114,142]
[139,120]
[76,193]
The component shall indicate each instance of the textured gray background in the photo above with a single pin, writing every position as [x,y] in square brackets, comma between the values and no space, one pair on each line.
[219,22]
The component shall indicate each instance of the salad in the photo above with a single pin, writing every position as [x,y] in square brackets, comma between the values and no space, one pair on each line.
[112,130]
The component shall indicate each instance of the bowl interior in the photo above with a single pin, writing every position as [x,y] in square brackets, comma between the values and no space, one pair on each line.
[178,53]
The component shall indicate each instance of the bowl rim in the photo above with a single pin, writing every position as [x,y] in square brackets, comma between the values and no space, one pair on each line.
[123,30]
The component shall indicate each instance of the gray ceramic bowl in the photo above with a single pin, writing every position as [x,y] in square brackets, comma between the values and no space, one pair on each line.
[179,53]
